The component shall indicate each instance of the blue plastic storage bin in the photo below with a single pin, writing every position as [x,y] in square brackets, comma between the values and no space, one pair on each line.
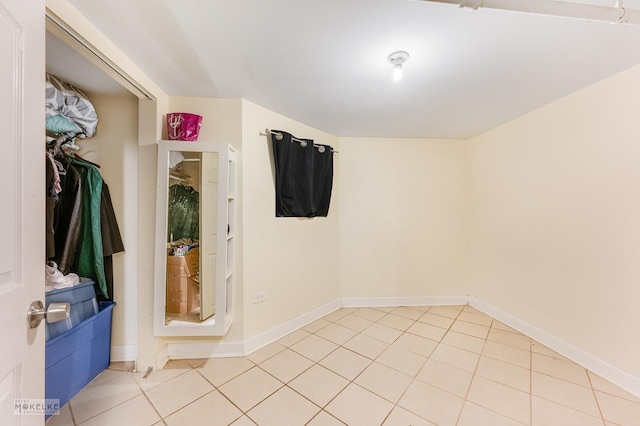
[77,356]
[82,298]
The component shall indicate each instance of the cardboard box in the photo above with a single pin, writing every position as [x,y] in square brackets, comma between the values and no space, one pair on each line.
[183,290]
[187,265]
[183,294]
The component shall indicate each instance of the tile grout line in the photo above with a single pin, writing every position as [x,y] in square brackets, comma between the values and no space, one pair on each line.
[593,391]
[531,382]
[466,396]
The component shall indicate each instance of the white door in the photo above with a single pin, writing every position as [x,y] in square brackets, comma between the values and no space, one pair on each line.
[22,203]
[208,233]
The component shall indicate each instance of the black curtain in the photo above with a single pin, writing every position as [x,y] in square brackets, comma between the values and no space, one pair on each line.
[304,176]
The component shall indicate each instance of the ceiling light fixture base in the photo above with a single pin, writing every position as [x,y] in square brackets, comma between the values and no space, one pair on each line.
[398,58]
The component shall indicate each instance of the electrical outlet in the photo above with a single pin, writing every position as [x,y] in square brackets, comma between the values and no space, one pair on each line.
[259,297]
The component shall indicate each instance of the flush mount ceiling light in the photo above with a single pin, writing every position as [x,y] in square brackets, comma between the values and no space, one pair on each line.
[397,59]
[614,14]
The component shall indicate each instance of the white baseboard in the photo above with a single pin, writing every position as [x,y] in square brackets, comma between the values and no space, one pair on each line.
[360,302]
[270,336]
[162,357]
[613,374]
[200,349]
[213,349]
[124,353]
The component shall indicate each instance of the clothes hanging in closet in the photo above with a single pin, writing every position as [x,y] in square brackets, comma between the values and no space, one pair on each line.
[184,213]
[304,176]
[84,232]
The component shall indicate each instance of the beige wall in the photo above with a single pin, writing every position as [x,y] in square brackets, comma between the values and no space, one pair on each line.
[221,123]
[115,148]
[402,217]
[537,218]
[294,260]
[555,226]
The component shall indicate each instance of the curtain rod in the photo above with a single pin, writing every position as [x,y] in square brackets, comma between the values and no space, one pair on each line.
[302,142]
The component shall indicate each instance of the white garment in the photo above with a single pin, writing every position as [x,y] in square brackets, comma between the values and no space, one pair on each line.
[54,278]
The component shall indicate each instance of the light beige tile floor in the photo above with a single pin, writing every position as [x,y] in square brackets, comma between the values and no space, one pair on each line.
[367,366]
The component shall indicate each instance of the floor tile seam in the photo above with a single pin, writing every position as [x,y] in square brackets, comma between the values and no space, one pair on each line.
[405,317]
[162,383]
[509,361]
[492,410]
[381,396]
[322,410]
[508,344]
[267,358]
[505,414]
[353,382]
[321,407]
[467,333]
[388,326]
[416,414]
[531,381]
[473,375]
[413,322]
[278,390]
[588,387]
[204,361]
[613,395]
[568,407]
[505,384]
[281,385]
[368,319]
[512,347]
[73,417]
[293,378]
[560,358]
[354,329]
[462,349]
[511,329]
[488,327]
[111,408]
[318,361]
[170,414]
[226,381]
[337,341]
[388,366]
[437,341]
[433,325]
[441,316]
[228,400]
[595,396]
[350,382]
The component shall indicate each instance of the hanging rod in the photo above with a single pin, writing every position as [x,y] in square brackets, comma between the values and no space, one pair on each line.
[302,142]
[180,177]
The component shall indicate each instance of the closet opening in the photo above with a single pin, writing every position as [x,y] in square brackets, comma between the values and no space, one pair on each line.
[121,113]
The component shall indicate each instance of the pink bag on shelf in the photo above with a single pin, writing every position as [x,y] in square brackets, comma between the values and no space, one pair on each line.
[183,126]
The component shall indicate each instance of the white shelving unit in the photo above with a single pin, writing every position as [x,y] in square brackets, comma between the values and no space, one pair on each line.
[224,230]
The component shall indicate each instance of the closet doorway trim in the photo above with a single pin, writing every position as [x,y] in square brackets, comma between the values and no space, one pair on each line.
[61,30]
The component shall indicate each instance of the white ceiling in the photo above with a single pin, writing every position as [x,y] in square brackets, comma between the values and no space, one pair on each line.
[324,62]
